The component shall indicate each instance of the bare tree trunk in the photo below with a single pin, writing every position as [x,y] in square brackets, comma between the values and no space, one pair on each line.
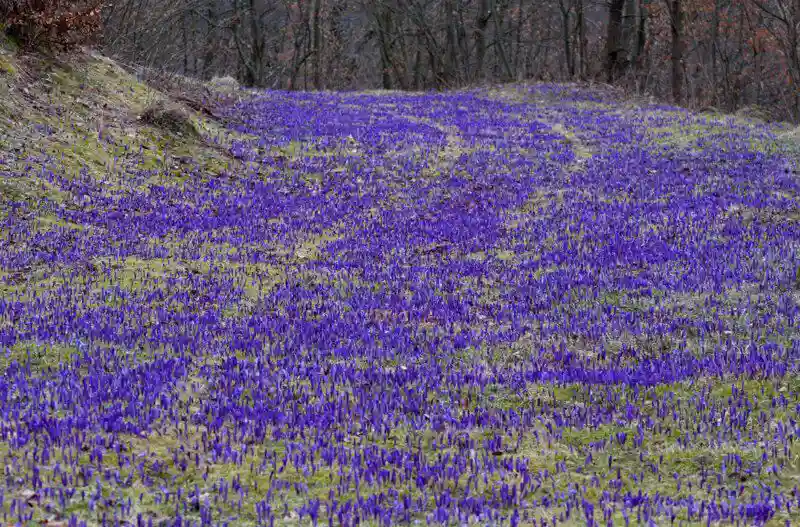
[185,42]
[614,40]
[404,71]
[211,41]
[452,66]
[676,16]
[317,37]
[499,45]
[518,70]
[714,51]
[641,42]
[385,31]
[481,23]
[580,24]
[418,75]
[566,36]
[386,77]
[463,47]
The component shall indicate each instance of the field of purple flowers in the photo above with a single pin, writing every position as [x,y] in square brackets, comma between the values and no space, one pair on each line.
[534,306]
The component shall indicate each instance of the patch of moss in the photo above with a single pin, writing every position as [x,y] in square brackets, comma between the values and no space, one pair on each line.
[37,356]
[6,66]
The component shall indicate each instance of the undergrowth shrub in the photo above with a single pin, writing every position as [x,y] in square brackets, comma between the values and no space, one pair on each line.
[170,118]
[52,24]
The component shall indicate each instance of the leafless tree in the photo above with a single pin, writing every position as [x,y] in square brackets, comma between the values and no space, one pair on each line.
[725,53]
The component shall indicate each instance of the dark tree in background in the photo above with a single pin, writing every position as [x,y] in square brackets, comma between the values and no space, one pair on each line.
[615,50]
[722,53]
[676,26]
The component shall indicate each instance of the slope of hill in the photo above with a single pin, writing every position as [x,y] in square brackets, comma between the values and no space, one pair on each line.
[524,305]
[83,112]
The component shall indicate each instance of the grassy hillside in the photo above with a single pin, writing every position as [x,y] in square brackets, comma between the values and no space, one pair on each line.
[512,306]
[84,113]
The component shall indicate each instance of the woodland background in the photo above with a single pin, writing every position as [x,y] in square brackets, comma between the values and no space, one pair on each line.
[725,54]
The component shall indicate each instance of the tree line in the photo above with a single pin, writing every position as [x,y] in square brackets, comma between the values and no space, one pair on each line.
[725,54]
